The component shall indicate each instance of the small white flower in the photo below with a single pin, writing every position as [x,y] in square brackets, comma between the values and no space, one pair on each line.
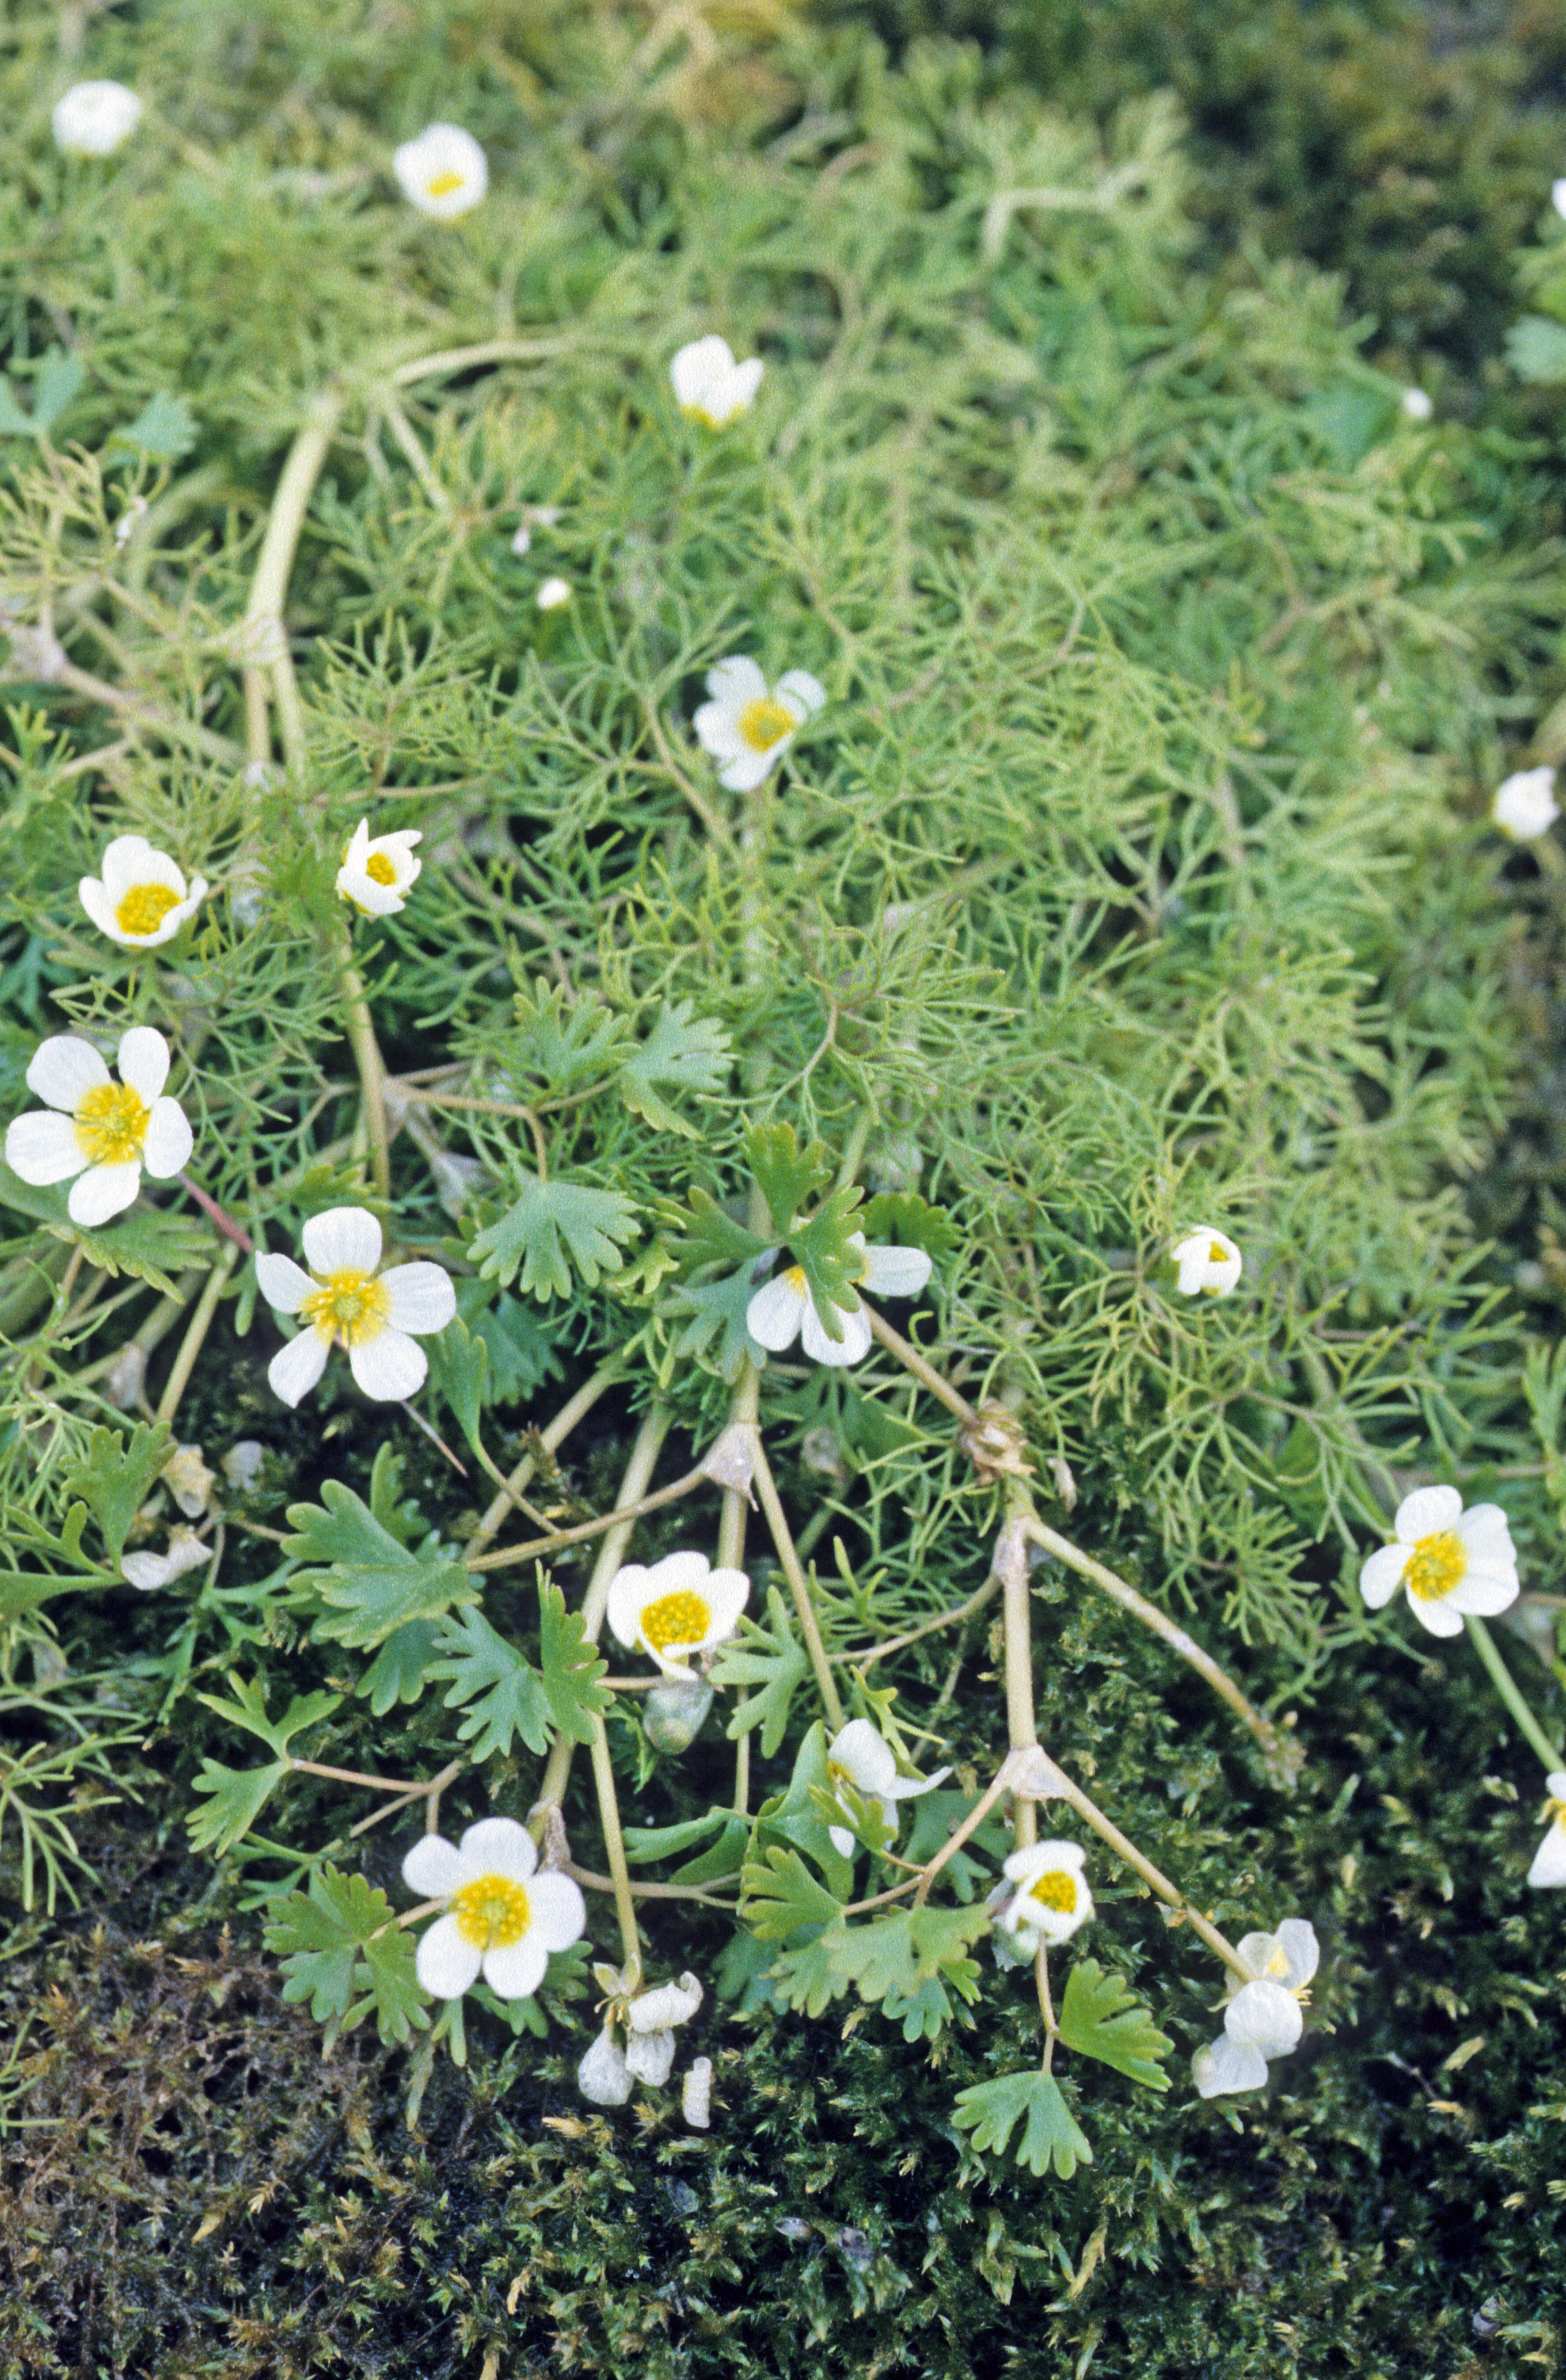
[1550,1860]
[142,897]
[710,386]
[749,728]
[1524,805]
[374,1315]
[1209,1263]
[185,1551]
[1262,2019]
[501,1916]
[1558,197]
[696,2095]
[1416,405]
[94,118]
[378,871]
[859,1756]
[1449,1560]
[1054,1898]
[783,1309]
[553,594]
[679,1607]
[102,1132]
[534,517]
[603,2076]
[443,173]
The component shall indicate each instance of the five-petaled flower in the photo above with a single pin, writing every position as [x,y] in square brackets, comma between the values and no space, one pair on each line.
[679,1607]
[378,871]
[1209,1264]
[1449,1560]
[860,1756]
[749,728]
[94,118]
[1550,1860]
[783,1310]
[1052,1899]
[141,898]
[502,1915]
[345,1296]
[102,1132]
[710,387]
[1262,2019]
[1523,805]
[443,173]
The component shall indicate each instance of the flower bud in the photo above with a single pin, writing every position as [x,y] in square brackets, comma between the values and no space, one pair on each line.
[675,1712]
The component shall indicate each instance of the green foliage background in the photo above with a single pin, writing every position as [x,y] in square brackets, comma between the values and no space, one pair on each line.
[1135,873]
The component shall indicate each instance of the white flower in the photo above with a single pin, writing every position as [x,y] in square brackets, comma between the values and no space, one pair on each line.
[501,1916]
[710,386]
[1550,1860]
[142,897]
[1262,2019]
[93,118]
[696,2095]
[1209,1263]
[1053,1899]
[344,1297]
[680,1606]
[1450,1562]
[860,1756]
[783,1309]
[185,1551]
[103,1132]
[377,871]
[443,173]
[651,2019]
[552,593]
[603,2076]
[1558,197]
[746,727]
[1524,805]
[1416,405]
[534,517]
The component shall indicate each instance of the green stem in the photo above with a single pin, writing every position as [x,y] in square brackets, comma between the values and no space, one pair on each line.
[372,1074]
[201,1323]
[1510,1693]
[614,1843]
[551,1439]
[799,1586]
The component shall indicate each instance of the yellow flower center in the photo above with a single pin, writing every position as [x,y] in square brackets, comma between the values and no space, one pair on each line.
[351,1307]
[699,413]
[110,1124]
[441,186]
[492,1912]
[1056,1889]
[379,868]
[1216,1254]
[682,1619]
[144,908]
[1435,1565]
[794,1276]
[763,722]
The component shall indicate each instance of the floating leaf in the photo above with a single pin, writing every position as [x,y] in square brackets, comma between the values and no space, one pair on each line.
[459,1365]
[780,1895]
[400,1671]
[565,1040]
[506,1693]
[898,1219]
[115,1479]
[831,1267]
[343,1950]
[572,1668]
[786,1174]
[1101,2017]
[163,432]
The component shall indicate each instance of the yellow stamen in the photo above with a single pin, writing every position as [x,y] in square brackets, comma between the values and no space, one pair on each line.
[443,185]
[110,1124]
[699,413]
[1056,1889]
[492,1912]
[379,868]
[794,1276]
[682,1619]
[763,722]
[351,1307]
[144,908]
[1216,1254]
[1436,1564]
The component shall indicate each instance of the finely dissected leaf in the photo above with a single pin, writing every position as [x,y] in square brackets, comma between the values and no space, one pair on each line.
[682,1052]
[164,431]
[373,1586]
[991,2111]
[705,1233]
[1101,2017]
[235,1799]
[780,1895]
[572,1668]
[343,1950]
[117,1479]
[899,1218]
[771,1658]
[564,1041]
[786,1174]
[459,1363]
[820,1249]
[400,1671]
[504,1690]
[550,1227]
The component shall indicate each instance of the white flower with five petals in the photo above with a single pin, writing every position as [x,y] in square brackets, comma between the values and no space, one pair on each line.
[376,1316]
[141,898]
[1523,805]
[860,1756]
[1264,2018]
[378,871]
[502,1917]
[1051,1900]
[102,1132]
[783,1310]
[443,173]
[93,119]
[1550,1860]
[748,726]
[679,1607]
[710,387]
[1450,1562]
[1208,1263]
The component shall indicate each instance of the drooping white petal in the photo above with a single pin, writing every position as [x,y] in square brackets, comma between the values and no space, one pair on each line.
[863,1753]
[515,1969]
[650,2056]
[64,1069]
[419,1297]
[560,1914]
[1296,1939]
[150,1570]
[295,1368]
[283,1283]
[389,1366]
[342,1239]
[1436,1613]
[1265,2016]
[843,1842]
[693,368]
[603,2076]
[1425,1513]
[102,1191]
[41,1147]
[1381,1575]
[854,1345]
[447,1964]
[895,1272]
[499,1846]
[1550,1860]
[696,2095]
[143,1061]
[774,1315]
[1225,2067]
[664,2006]
[165,1149]
[434,1867]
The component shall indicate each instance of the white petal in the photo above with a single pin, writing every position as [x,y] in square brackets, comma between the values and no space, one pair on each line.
[628,1593]
[1555,1784]
[843,1840]
[678,1574]
[1550,1860]
[851,1348]
[650,2056]
[1265,2016]
[1297,1937]
[102,1191]
[515,1969]
[774,1315]
[737,681]
[1381,1575]
[1426,1512]
[807,691]
[895,1272]
[297,1368]
[143,1061]
[41,1147]
[1437,1614]
[390,1366]
[727,1593]
[1191,1259]
[165,1150]
[603,2076]
[283,1283]
[1485,1532]
[862,1750]
[433,1868]
[63,1070]
[499,1847]
[344,1239]
[560,1914]
[1484,1594]
[747,768]
[717,731]
[696,2095]
[693,368]
[665,2005]
[907,1789]
[1224,2067]
[150,1570]
[131,860]
[420,1297]
[1263,1954]
[100,908]
[447,1964]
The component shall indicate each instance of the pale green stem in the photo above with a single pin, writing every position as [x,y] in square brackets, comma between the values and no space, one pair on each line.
[551,1438]
[799,1586]
[743,1407]
[1510,1693]
[263,613]
[1021,1724]
[1062,1789]
[199,1323]
[614,1843]
[372,1074]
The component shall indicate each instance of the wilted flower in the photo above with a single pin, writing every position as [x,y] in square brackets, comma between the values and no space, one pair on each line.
[374,1315]
[1550,1860]
[679,1607]
[243,1463]
[1209,1263]
[651,2019]
[711,386]
[783,1309]
[443,173]
[189,1481]
[185,1551]
[749,728]
[1523,805]
[553,594]
[860,1756]
[1450,1562]
[378,871]
[103,1132]
[602,2074]
[1053,1899]
[94,118]
[696,2095]
[141,898]
[1264,2018]
[501,1916]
